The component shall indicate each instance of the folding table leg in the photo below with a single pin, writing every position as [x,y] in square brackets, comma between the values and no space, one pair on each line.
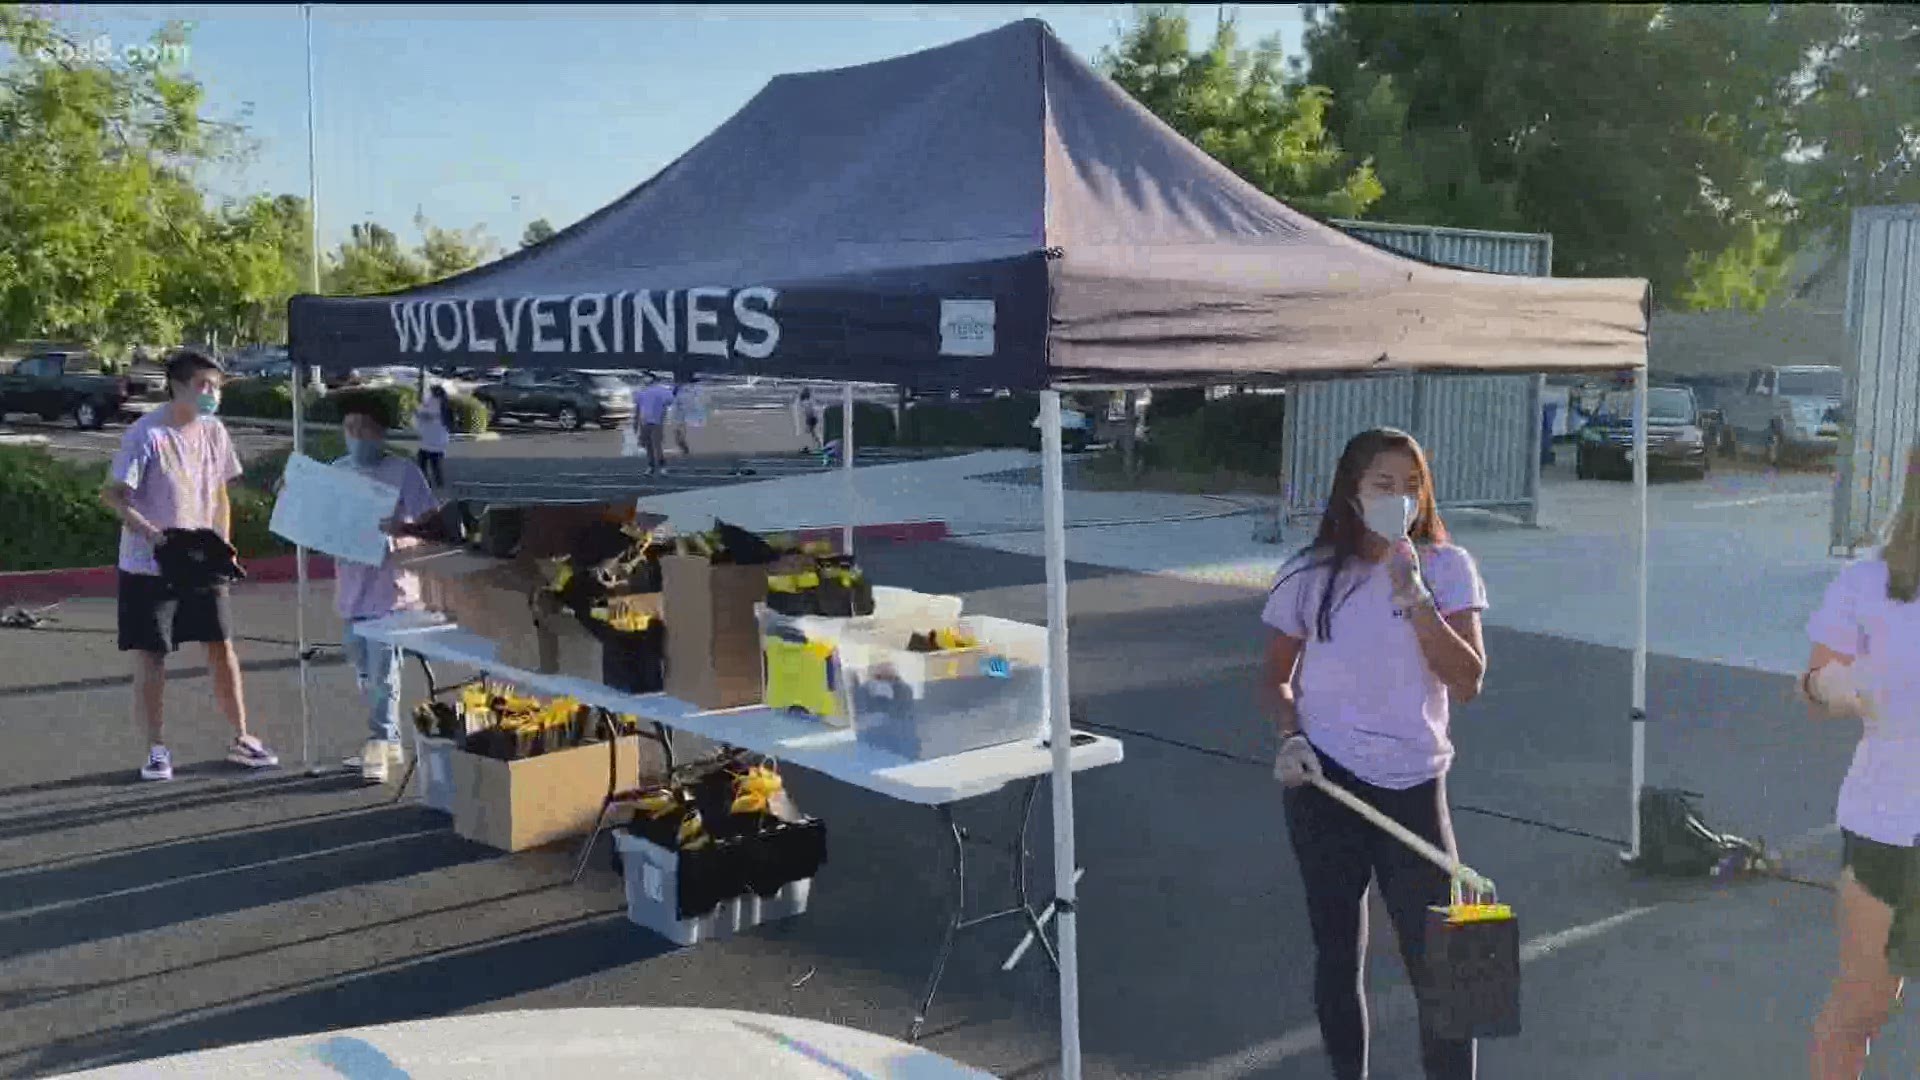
[953,924]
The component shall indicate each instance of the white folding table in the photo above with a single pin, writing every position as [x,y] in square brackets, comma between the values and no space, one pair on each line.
[835,752]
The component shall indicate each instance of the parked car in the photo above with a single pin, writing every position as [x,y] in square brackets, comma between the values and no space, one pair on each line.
[1786,412]
[256,360]
[573,399]
[1076,430]
[1675,441]
[72,384]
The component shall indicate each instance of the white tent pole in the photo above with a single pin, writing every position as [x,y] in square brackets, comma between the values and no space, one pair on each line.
[1061,730]
[846,465]
[296,372]
[1639,600]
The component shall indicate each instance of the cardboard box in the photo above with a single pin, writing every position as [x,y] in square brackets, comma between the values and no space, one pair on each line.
[515,805]
[713,638]
[486,596]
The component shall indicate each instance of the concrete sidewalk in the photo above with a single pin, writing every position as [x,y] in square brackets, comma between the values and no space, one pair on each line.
[943,489]
[1736,564]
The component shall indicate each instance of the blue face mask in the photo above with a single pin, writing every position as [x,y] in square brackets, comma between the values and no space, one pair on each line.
[208,403]
[365,453]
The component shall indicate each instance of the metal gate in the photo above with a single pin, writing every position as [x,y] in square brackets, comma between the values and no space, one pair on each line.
[1481,431]
[1883,332]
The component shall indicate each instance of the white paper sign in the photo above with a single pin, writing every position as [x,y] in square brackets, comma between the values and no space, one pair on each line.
[333,510]
[966,328]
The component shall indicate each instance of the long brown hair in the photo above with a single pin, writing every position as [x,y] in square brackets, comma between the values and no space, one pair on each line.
[1341,528]
[1902,550]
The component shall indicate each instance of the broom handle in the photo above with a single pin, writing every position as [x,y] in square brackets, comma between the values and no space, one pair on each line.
[1455,869]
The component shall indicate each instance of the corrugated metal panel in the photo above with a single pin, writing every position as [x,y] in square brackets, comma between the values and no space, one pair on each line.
[1883,331]
[1322,416]
[1482,431]
[1527,254]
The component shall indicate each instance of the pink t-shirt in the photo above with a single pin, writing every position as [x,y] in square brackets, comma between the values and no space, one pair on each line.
[1880,798]
[178,476]
[1367,698]
[372,592]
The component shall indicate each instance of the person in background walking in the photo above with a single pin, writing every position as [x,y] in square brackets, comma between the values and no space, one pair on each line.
[1865,665]
[363,592]
[689,408]
[171,473]
[650,405]
[1375,636]
[433,422]
[808,416]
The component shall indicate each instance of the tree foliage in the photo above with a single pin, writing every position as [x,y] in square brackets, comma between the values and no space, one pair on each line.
[1234,103]
[539,231]
[106,236]
[1699,146]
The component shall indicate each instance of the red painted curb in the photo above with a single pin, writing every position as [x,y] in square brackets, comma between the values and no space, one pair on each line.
[47,586]
[906,532]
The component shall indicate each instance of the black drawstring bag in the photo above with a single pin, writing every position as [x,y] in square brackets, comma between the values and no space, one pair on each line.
[1471,986]
[195,560]
[1676,841]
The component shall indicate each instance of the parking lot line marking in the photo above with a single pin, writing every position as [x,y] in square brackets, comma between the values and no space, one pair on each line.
[1397,1008]
[1757,500]
[78,901]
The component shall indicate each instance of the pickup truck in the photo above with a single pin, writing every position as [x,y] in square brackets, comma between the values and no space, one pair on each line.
[572,398]
[70,384]
[1785,412]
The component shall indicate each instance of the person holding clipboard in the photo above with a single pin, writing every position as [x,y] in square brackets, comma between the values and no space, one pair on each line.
[1375,635]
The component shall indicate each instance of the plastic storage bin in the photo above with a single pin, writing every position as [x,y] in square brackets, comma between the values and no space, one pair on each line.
[434,758]
[652,881]
[930,705]
[811,681]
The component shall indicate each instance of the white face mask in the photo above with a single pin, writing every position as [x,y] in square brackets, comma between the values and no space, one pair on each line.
[1388,516]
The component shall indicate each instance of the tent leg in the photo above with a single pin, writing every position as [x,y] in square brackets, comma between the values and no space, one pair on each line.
[1639,714]
[846,465]
[297,373]
[1061,732]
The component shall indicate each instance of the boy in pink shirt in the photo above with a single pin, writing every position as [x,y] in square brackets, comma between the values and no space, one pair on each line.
[171,474]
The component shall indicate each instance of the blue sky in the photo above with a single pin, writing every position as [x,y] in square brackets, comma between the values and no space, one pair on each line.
[496,115]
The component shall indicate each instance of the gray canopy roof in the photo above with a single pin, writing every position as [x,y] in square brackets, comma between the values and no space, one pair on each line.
[988,213]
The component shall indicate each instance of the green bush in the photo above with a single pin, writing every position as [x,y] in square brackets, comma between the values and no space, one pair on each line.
[872,424]
[55,515]
[994,423]
[470,415]
[252,510]
[395,402]
[1244,433]
[261,399]
[1174,402]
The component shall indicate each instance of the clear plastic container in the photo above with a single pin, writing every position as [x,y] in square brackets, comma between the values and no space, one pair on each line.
[922,706]
[811,681]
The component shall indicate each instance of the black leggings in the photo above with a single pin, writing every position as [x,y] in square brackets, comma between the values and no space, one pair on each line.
[430,465]
[1340,853]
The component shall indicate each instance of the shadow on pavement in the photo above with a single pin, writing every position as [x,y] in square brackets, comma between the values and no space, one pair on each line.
[431,984]
[162,800]
[148,890]
[174,675]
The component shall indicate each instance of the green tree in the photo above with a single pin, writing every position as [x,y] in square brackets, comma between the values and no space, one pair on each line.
[539,231]
[372,261]
[1235,104]
[1856,140]
[1648,140]
[95,159]
[446,252]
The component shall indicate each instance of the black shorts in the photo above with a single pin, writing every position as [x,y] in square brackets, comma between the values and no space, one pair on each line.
[157,618]
[1891,875]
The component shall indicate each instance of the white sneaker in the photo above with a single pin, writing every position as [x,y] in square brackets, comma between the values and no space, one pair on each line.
[397,755]
[373,762]
[159,765]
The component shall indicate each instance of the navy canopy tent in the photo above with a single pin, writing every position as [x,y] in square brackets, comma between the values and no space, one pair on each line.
[989,214]
[992,213]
